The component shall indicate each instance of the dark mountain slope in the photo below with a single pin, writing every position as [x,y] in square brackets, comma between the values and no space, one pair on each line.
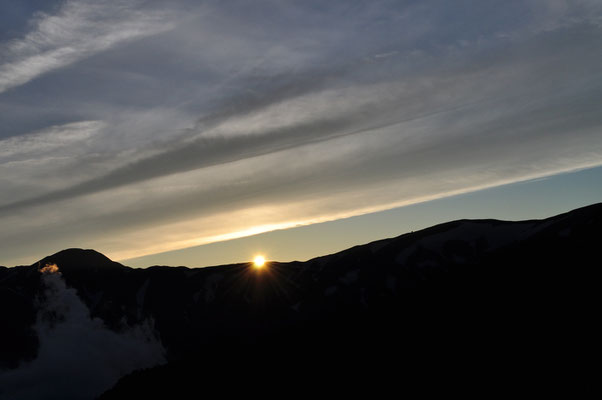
[466,292]
[19,286]
[483,288]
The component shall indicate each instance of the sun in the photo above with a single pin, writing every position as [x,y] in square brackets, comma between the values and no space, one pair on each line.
[259,261]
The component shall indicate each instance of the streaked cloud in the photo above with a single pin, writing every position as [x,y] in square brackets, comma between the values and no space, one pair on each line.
[226,125]
[79,29]
[41,161]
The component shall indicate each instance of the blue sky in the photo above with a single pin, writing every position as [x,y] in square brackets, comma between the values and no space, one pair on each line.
[140,127]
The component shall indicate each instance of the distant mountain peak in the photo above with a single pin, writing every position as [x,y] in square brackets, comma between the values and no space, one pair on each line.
[75,258]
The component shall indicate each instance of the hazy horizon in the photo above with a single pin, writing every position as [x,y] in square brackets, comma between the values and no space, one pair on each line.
[533,199]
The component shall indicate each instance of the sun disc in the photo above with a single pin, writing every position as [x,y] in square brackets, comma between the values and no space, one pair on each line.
[259,261]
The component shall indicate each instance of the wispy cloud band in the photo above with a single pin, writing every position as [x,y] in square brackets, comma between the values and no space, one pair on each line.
[225,126]
[80,29]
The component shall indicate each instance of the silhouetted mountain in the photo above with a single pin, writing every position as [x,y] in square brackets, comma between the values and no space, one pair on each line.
[76,260]
[464,290]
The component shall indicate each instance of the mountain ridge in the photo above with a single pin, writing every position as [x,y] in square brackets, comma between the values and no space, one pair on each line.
[71,252]
[460,277]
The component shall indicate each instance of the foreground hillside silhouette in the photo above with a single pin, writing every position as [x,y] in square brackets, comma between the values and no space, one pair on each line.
[464,291]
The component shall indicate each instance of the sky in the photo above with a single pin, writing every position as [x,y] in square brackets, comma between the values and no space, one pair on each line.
[147,129]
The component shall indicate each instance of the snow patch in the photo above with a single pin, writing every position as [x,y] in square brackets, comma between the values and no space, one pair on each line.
[497,235]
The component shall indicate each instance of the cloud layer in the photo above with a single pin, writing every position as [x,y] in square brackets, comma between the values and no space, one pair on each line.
[165,128]
[79,29]
[78,357]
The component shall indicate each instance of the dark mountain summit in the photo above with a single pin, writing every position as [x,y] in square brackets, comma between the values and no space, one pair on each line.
[72,260]
[469,288]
